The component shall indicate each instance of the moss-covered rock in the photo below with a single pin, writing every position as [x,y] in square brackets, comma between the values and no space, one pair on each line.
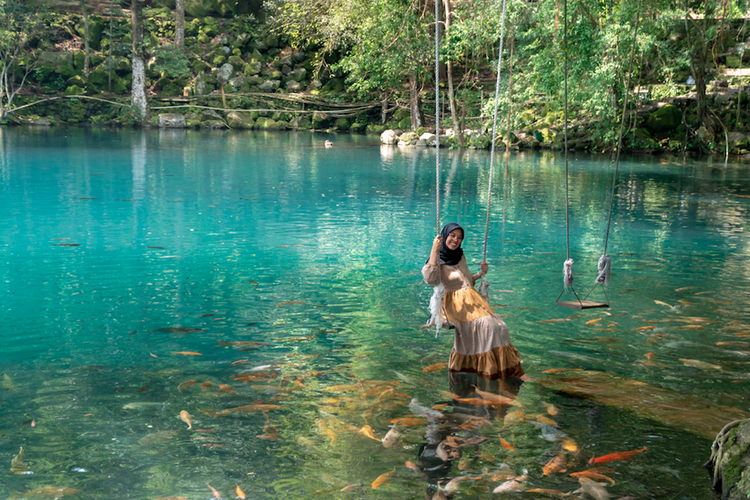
[199,66]
[341,124]
[664,119]
[404,123]
[239,120]
[75,90]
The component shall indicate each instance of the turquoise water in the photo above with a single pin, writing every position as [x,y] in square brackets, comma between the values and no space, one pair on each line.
[109,236]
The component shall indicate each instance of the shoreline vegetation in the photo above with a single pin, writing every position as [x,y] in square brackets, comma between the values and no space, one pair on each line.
[281,65]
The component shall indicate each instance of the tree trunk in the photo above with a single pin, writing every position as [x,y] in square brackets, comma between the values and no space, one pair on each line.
[138,92]
[449,73]
[415,103]
[510,96]
[86,39]
[179,32]
[384,110]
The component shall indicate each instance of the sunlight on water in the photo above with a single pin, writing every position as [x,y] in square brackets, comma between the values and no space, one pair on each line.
[270,287]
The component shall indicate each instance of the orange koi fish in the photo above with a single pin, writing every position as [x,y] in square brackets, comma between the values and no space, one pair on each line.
[367,431]
[214,491]
[382,479]
[187,353]
[240,493]
[593,321]
[595,476]
[556,464]
[613,457]
[554,493]
[411,466]
[227,388]
[507,445]
[409,422]
[185,385]
[435,368]
[562,370]
[650,327]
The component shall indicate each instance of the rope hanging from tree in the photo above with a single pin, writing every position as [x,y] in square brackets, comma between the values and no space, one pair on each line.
[436,301]
[484,286]
[604,265]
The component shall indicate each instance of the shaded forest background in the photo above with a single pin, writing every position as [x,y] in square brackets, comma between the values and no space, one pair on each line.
[367,66]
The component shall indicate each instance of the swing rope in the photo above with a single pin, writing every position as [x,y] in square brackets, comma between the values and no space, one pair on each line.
[605,263]
[436,301]
[568,265]
[484,287]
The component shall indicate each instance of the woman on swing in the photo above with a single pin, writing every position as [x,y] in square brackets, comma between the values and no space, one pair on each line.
[482,343]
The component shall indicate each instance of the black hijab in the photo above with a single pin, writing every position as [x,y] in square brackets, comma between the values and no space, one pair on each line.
[450,257]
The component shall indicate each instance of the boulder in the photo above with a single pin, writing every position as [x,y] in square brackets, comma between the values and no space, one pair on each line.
[408,137]
[239,120]
[269,85]
[428,138]
[736,137]
[172,120]
[75,90]
[292,86]
[56,58]
[213,124]
[664,119]
[42,122]
[298,74]
[252,68]
[210,114]
[271,41]
[730,461]
[389,137]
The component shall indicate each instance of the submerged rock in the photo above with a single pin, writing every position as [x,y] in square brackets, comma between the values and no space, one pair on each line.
[730,461]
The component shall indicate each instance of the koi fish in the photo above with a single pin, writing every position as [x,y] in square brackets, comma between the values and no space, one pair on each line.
[186,384]
[187,418]
[227,388]
[254,408]
[512,484]
[506,445]
[699,364]
[613,457]
[593,321]
[663,304]
[187,353]
[544,420]
[214,491]
[382,479]
[409,422]
[411,466]
[239,492]
[594,476]
[556,320]
[552,410]
[290,302]
[562,370]
[435,368]
[556,464]
[496,397]
[649,327]
[568,444]
[16,465]
[367,431]
[243,343]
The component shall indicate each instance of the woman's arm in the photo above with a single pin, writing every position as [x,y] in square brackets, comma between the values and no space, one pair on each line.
[481,273]
[436,244]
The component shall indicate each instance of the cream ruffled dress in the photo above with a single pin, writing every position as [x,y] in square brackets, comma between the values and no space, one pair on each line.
[482,344]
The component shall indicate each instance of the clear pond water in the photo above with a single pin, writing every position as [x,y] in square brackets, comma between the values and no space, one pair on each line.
[122,249]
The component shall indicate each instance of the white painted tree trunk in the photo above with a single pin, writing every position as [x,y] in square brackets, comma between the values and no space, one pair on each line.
[138,92]
[179,33]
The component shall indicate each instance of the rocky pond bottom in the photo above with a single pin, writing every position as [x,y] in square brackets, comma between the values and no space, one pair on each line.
[192,314]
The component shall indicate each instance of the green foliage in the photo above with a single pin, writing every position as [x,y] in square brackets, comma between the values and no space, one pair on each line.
[172,61]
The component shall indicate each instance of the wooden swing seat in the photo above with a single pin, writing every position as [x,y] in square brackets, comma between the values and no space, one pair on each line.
[581,304]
